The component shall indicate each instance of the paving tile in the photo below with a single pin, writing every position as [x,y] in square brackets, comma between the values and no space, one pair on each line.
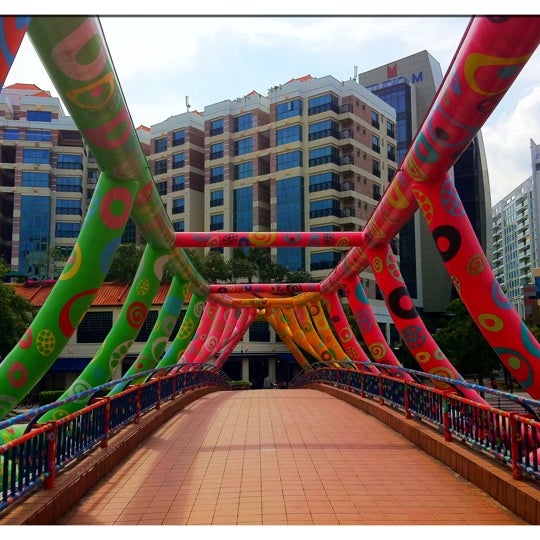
[280,458]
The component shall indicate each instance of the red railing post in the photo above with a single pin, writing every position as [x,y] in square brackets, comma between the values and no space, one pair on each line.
[406,401]
[381,398]
[137,405]
[515,438]
[446,417]
[362,379]
[107,423]
[158,404]
[173,386]
[48,483]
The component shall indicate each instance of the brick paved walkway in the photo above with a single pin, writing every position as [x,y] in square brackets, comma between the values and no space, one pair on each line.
[282,457]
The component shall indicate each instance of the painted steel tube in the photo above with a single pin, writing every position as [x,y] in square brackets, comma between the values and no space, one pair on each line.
[13,30]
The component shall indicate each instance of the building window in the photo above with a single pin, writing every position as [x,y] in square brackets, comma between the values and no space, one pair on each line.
[326,128]
[391,152]
[375,145]
[37,156]
[322,155]
[243,146]
[35,179]
[216,222]
[37,135]
[216,174]
[162,187]
[243,122]
[68,207]
[326,180]
[376,168]
[178,226]
[68,183]
[289,134]
[290,217]
[289,160]
[323,103]
[259,331]
[147,326]
[178,205]
[160,145]
[391,173]
[67,230]
[39,116]
[288,109]
[178,160]
[216,198]
[216,127]
[375,119]
[69,161]
[390,129]
[243,209]
[35,235]
[160,166]
[324,260]
[324,208]
[376,192]
[94,327]
[243,170]
[216,150]
[324,228]
[179,137]
[11,134]
[178,183]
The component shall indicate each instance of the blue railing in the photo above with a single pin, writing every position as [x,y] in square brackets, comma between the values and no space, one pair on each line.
[510,437]
[32,454]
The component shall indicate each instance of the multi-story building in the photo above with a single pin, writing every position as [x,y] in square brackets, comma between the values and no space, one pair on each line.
[516,236]
[177,148]
[314,154]
[409,85]
[47,178]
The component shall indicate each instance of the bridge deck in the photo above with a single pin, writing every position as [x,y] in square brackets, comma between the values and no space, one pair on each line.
[276,457]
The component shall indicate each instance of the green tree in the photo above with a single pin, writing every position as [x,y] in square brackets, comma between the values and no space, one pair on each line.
[215,267]
[464,345]
[125,263]
[242,269]
[16,314]
[53,261]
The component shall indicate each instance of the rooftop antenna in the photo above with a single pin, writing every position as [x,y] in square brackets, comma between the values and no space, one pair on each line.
[187,103]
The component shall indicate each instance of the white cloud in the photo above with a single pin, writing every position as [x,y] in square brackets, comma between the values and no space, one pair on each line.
[160,60]
[507,143]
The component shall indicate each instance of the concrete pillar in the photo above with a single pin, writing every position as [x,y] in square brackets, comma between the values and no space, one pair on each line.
[272,368]
[245,369]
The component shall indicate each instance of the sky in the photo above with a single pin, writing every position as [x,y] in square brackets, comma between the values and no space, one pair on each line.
[160,60]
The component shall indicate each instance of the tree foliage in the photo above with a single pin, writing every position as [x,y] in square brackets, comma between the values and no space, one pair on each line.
[245,266]
[16,314]
[464,345]
[125,263]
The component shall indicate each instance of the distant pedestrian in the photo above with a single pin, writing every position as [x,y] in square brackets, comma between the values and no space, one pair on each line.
[267,383]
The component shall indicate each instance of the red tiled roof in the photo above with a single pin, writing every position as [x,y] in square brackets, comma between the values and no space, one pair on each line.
[301,79]
[144,128]
[36,90]
[109,294]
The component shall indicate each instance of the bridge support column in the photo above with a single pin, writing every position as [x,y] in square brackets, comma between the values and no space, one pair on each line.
[245,369]
[272,368]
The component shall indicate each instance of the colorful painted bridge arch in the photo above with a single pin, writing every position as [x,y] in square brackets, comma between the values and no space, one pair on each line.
[73,49]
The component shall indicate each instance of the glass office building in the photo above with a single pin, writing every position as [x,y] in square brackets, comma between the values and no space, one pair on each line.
[409,85]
